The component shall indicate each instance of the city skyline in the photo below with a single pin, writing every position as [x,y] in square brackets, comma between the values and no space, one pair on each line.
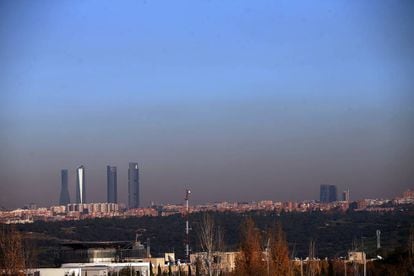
[328,193]
[240,101]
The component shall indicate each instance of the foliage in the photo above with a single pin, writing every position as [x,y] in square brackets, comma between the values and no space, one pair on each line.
[249,261]
[151,272]
[332,231]
[279,252]
[198,267]
[255,259]
[17,255]
[12,259]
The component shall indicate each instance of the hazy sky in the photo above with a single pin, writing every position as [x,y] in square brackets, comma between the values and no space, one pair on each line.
[239,100]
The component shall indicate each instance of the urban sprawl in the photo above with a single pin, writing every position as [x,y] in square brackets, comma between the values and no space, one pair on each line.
[81,210]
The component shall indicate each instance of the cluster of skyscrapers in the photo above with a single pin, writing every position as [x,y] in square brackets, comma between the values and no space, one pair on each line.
[112,186]
[328,193]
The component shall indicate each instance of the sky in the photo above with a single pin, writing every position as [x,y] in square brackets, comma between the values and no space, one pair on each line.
[236,100]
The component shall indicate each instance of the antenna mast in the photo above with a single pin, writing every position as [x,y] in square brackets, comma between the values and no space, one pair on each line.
[187,226]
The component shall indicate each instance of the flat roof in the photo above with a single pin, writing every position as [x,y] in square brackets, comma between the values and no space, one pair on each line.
[92,244]
[80,265]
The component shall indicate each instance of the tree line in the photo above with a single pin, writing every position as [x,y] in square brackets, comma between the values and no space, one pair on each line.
[297,235]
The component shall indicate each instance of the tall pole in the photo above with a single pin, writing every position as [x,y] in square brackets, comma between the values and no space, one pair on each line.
[187,226]
[365,263]
[301,267]
[364,256]
[267,256]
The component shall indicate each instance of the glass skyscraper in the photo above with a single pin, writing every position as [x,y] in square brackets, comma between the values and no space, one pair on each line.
[80,185]
[112,194]
[133,185]
[64,192]
[328,193]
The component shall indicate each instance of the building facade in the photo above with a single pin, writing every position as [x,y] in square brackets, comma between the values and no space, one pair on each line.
[328,193]
[64,197]
[133,185]
[80,185]
[112,186]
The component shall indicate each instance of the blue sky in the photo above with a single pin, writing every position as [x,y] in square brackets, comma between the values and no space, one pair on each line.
[238,100]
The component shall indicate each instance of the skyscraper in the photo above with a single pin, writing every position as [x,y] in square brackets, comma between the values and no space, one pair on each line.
[112,194]
[133,185]
[345,195]
[64,192]
[80,185]
[328,193]
[333,195]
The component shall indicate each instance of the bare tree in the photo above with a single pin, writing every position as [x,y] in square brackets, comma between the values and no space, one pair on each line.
[219,248]
[30,254]
[12,259]
[313,266]
[206,236]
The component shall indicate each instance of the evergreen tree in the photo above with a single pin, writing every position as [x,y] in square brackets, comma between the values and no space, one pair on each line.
[151,272]
[198,266]
[331,270]
[12,255]
[249,262]
[189,269]
[279,253]
[169,270]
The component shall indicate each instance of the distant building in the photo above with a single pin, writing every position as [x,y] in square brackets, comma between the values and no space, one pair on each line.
[357,257]
[93,208]
[64,192]
[93,268]
[328,193]
[362,204]
[102,251]
[408,194]
[30,206]
[345,195]
[112,186]
[133,185]
[80,185]
[225,260]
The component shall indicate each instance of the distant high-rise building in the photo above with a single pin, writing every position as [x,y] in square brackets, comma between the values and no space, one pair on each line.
[324,193]
[80,185]
[333,195]
[64,192]
[328,193]
[112,194]
[345,195]
[133,185]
